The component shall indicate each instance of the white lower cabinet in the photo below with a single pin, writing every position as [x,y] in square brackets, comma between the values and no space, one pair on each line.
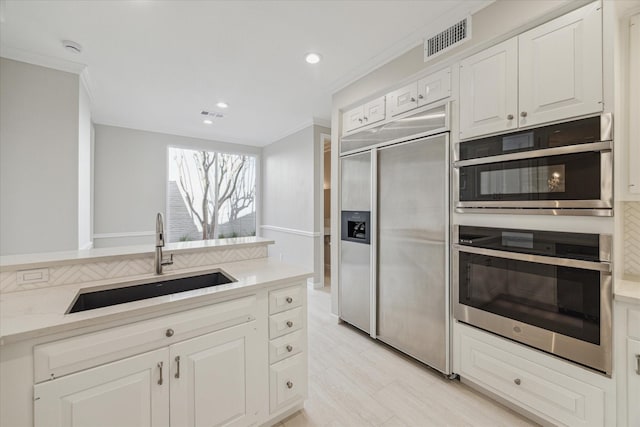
[633,382]
[235,362]
[205,381]
[546,387]
[214,379]
[130,392]
[288,382]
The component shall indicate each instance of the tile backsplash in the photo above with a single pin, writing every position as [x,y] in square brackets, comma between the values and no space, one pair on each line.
[122,267]
[631,231]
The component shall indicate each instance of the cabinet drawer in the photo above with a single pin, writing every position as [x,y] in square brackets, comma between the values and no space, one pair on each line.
[403,99]
[353,119]
[285,299]
[69,355]
[288,382]
[543,391]
[285,322]
[633,323]
[285,346]
[434,87]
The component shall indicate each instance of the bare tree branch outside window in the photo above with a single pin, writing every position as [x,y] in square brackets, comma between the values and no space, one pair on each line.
[217,191]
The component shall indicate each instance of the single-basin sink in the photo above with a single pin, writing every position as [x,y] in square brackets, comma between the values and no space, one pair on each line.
[106,297]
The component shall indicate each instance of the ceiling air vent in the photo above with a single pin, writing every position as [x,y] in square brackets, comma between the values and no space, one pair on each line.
[446,39]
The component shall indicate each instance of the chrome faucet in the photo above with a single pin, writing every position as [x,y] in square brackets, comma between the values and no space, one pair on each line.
[159,261]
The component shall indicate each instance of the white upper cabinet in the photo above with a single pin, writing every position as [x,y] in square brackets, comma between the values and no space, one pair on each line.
[560,67]
[434,87]
[371,112]
[403,99]
[552,72]
[489,90]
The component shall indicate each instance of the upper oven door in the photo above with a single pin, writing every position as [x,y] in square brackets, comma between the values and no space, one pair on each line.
[567,165]
[574,180]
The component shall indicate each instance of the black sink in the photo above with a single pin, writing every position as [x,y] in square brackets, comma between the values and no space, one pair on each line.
[107,297]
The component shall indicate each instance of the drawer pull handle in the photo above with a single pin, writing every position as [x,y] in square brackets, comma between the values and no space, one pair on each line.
[638,364]
[169,332]
[289,300]
[160,367]
[289,384]
[289,324]
[510,117]
[177,375]
[517,381]
[289,348]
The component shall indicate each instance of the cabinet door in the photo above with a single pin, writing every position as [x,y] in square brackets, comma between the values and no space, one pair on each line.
[132,392]
[489,90]
[633,382]
[352,119]
[403,99]
[560,66]
[634,105]
[215,378]
[434,87]
[374,111]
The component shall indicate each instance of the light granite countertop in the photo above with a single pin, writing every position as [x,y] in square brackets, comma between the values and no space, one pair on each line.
[38,312]
[627,291]
[23,261]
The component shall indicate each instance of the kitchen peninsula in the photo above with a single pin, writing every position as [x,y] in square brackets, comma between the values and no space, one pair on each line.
[244,343]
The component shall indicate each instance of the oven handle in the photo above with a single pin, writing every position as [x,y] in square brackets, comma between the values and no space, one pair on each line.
[546,152]
[541,259]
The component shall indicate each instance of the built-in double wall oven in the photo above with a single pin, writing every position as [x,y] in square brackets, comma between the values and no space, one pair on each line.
[549,290]
[562,169]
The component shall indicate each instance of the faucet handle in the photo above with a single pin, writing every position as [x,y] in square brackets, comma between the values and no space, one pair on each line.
[168,261]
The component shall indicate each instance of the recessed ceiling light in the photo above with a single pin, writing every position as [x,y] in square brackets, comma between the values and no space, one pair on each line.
[312,58]
[222,104]
[207,122]
[72,46]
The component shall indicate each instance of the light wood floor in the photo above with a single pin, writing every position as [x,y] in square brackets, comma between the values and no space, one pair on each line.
[355,381]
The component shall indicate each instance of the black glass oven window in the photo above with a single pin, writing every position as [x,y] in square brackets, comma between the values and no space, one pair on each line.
[566,177]
[582,131]
[560,299]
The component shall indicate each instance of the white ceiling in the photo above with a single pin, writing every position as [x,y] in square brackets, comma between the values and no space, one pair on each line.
[155,65]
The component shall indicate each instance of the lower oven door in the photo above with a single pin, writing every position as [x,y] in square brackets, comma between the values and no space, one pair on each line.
[558,305]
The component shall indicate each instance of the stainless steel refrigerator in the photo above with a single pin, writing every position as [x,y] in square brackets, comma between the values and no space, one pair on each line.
[396,288]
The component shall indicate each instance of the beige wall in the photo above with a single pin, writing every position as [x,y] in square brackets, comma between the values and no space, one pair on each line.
[39,127]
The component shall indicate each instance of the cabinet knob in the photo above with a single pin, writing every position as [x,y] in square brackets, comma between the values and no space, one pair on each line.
[289,300]
[360,120]
[169,332]
[517,381]
[289,323]
[289,384]
[289,348]
[413,99]
[510,117]
[523,114]
[366,119]
[421,96]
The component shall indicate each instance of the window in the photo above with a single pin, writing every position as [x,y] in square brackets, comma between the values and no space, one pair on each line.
[210,195]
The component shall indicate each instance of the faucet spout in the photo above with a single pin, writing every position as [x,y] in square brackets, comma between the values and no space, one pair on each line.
[159,260]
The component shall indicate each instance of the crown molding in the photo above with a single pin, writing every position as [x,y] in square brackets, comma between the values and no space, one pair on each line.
[414,39]
[318,121]
[303,125]
[59,64]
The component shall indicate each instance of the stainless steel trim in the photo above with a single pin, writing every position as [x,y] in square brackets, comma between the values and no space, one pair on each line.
[546,152]
[567,204]
[555,212]
[605,247]
[373,267]
[598,357]
[606,127]
[541,259]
